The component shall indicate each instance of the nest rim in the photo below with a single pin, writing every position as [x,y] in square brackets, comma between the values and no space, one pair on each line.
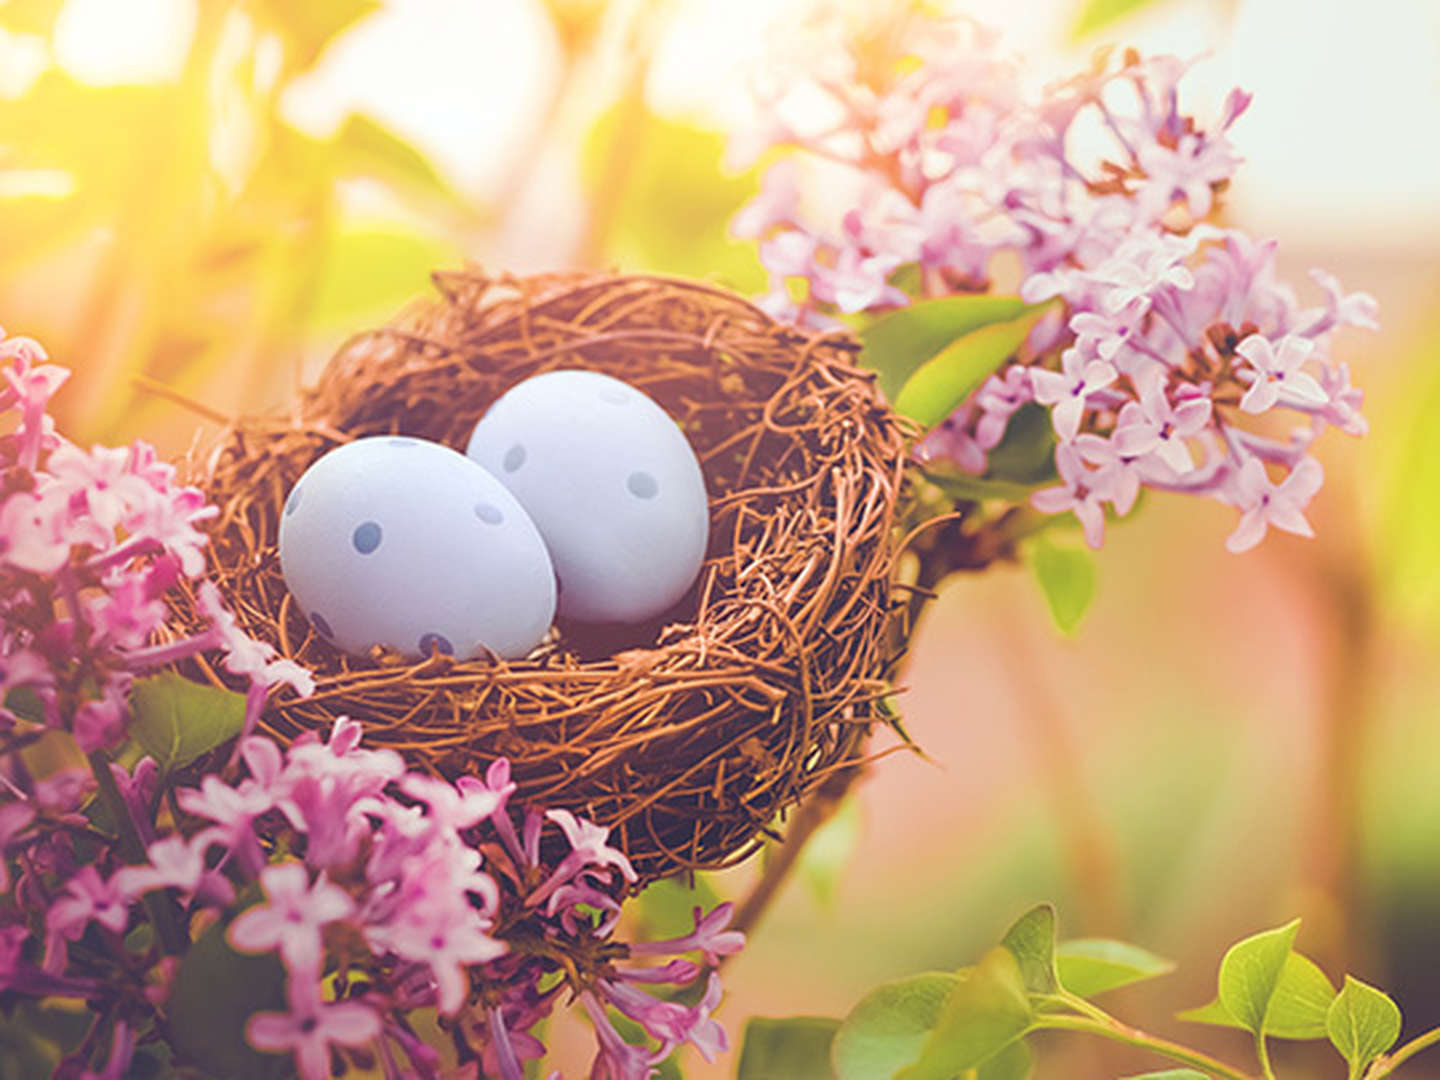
[757,689]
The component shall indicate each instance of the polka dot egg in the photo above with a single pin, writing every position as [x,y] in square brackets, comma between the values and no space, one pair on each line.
[612,484]
[406,543]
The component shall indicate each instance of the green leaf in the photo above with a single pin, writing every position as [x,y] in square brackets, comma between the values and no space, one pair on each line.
[987,1011]
[177,720]
[828,852]
[961,487]
[1250,971]
[1013,1063]
[34,1035]
[216,991]
[1066,575]
[890,1026]
[26,704]
[1301,1000]
[1099,14]
[940,384]
[1090,966]
[364,147]
[794,1048]
[1032,942]
[898,344]
[1297,1009]
[1362,1023]
[667,908]
[1026,454]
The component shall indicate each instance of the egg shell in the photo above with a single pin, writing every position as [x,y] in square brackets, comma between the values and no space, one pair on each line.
[401,542]
[612,484]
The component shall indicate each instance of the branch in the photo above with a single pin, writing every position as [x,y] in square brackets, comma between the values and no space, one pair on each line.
[812,814]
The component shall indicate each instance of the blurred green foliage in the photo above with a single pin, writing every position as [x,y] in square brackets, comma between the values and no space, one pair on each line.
[1406,537]
[199,236]
[666,200]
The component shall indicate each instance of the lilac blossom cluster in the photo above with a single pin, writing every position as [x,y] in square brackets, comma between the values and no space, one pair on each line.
[91,541]
[1172,356]
[380,891]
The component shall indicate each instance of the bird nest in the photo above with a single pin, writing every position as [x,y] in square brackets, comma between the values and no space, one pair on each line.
[689,735]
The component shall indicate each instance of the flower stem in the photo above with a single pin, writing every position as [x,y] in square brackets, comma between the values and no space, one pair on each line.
[1262,1052]
[1386,1064]
[172,940]
[1115,1031]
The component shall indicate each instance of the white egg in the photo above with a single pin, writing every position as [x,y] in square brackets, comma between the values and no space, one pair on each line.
[611,482]
[406,543]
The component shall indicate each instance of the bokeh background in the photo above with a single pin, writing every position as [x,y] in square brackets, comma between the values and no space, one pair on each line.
[200,199]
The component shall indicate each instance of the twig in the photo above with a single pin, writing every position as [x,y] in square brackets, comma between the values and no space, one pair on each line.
[1386,1064]
[1116,1031]
[808,819]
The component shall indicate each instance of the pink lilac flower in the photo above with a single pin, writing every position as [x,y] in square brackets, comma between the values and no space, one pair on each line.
[710,937]
[311,1028]
[1068,390]
[1278,371]
[247,656]
[233,810]
[291,920]
[177,863]
[617,1059]
[777,204]
[31,536]
[103,722]
[1156,425]
[87,898]
[1117,474]
[63,791]
[588,848]
[1264,504]
[957,173]
[1341,308]
[450,806]
[1081,491]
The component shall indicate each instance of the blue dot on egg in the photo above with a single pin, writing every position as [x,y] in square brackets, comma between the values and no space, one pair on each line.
[642,485]
[514,458]
[436,641]
[318,621]
[614,395]
[366,537]
[403,441]
[293,503]
[489,513]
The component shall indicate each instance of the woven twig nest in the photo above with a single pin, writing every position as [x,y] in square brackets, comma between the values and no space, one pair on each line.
[688,735]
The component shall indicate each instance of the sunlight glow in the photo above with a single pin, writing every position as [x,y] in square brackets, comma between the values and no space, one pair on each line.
[23,57]
[463,80]
[108,43]
[36,184]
